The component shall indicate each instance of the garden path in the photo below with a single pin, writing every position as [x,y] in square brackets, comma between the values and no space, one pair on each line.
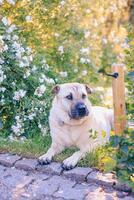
[24,179]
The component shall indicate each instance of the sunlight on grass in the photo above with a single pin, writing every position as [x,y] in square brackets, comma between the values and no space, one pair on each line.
[37,146]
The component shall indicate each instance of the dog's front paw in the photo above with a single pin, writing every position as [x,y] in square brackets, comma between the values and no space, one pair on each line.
[44,160]
[69,163]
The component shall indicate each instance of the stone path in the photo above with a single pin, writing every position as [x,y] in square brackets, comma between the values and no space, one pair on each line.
[24,179]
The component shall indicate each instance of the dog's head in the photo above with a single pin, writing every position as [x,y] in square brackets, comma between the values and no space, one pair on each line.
[73,99]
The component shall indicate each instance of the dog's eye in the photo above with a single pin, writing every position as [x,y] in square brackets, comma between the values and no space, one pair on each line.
[83,96]
[69,97]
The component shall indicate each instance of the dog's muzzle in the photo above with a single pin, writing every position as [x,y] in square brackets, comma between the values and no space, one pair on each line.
[79,111]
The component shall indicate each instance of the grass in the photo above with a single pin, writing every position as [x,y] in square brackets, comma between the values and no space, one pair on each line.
[33,148]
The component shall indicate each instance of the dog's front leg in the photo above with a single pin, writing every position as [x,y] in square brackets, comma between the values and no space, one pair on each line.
[47,158]
[72,161]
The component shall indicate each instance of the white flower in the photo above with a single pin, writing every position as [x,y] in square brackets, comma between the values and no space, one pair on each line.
[26,61]
[56,34]
[29,50]
[46,67]
[84,72]
[13,83]
[116,40]
[113,8]
[12,138]
[28,18]
[46,79]
[43,131]
[85,50]
[11,28]
[15,129]
[125,45]
[61,49]
[104,40]
[12,2]
[17,117]
[39,125]
[1,61]
[75,70]
[63,74]
[84,60]
[27,74]
[86,34]
[1,44]
[62,3]
[5,21]
[2,76]
[5,48]
[19,94]
[31,58]
[7,37]
[44,61]
[18,56]
[34,68]
[22,50]
[1,2]
[31,116]
[21,64]
[16,45]
[15,37]
[88,11]
[2,89]
[40,90]
[41,80]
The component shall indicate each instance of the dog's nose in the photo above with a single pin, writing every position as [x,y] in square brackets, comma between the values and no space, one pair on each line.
[81,109]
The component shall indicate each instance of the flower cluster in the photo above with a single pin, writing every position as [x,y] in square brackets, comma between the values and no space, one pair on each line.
[24,84]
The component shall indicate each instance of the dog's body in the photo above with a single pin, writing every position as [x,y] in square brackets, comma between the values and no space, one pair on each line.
[69,129]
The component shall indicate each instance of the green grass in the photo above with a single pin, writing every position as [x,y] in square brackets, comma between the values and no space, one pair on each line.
[37,146]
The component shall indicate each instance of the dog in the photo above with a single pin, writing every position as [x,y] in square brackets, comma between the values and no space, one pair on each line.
[74,122]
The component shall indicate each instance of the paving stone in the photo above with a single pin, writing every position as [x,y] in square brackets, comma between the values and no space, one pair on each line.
[62,181]
[122,187]
[8,159]
[41,189]
[54,168]
[100,178]
[100,193]
[13,177]
[5,193]
[70,193]
[78,173]
[39,175]
[26,164]
[86,186]
[2,169]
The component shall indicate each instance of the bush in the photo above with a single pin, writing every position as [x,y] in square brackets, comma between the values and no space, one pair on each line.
[24,85]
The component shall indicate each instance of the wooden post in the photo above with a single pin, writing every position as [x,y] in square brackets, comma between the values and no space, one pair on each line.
[118,86]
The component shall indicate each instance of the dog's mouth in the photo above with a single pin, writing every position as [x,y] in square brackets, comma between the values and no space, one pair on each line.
[78,112]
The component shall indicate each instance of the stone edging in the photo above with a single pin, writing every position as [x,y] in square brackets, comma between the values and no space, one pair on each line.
[79,174]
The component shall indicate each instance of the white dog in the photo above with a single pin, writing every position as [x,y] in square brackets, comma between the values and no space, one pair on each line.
[73,122]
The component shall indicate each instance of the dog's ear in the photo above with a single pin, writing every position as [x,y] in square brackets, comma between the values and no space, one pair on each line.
[56,89]
[88,89]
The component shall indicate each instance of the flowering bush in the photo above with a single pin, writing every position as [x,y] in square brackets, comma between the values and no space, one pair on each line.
[26,79]
[24,85]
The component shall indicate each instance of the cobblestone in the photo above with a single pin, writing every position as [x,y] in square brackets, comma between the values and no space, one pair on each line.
[53,168]
[8,159]
[78,173]
[22,179]
[26,164]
